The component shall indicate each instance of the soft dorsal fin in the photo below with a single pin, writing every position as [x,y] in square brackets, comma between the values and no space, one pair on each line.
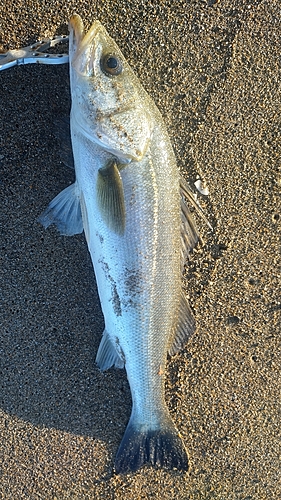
[184,329]
[110,197]
[64,211]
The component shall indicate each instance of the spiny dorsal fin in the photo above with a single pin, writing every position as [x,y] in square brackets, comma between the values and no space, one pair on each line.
[186,191]
[185,328]
[189,232]
[110,197]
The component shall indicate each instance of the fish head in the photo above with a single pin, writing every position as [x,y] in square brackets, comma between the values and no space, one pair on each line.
[109,105]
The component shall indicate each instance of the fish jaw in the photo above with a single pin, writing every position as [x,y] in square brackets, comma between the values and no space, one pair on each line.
[82,46]
[111,110]
[76,33]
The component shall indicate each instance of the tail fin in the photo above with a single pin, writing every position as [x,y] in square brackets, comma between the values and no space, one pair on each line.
[162,447]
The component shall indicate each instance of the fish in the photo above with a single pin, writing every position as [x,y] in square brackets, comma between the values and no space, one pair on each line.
[130,201]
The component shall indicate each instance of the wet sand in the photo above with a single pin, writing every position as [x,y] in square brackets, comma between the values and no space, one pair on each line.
[213,68]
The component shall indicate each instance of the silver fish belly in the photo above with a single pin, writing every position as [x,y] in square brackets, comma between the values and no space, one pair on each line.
[127,199]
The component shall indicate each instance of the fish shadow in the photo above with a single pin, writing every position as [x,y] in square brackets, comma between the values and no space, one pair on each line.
[51,321]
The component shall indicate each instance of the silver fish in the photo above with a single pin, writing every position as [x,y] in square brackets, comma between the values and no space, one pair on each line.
[128,199]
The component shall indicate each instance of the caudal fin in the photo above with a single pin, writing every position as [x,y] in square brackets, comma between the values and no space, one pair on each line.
[162,447]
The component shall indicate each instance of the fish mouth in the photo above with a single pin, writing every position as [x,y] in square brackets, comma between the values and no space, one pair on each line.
[82,46]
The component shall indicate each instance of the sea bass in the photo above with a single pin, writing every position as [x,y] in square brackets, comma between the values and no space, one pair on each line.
[128,199]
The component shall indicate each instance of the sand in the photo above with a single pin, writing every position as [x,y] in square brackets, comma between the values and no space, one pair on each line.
[213,68]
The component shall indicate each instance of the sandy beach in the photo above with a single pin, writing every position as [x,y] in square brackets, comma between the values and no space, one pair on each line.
[213,69]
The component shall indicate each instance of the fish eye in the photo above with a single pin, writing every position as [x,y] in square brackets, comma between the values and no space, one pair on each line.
[111,65]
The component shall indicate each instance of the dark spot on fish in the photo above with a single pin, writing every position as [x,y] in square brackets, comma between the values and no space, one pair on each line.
[114,293]
[101,238]
[133,196]
[120,350]
[133,280]
[116,299]
[104,266]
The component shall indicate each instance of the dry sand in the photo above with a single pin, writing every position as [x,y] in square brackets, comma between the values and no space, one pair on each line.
[213,68]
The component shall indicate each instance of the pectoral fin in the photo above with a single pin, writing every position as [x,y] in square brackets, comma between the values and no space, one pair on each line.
[64,211]
[110,197]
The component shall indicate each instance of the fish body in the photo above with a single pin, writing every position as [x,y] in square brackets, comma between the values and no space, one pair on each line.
[127,199]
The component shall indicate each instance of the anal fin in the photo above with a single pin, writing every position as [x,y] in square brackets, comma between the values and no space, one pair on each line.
[107,355]
[185,328]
